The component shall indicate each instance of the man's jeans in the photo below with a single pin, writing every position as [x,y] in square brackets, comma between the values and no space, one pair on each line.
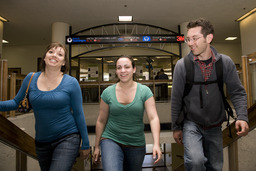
[203,148]
[116,157]
[59,155]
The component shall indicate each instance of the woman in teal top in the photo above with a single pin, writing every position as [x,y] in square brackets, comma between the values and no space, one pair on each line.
[120,127]
[59,118]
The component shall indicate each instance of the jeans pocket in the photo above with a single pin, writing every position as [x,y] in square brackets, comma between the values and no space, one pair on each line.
[74,139]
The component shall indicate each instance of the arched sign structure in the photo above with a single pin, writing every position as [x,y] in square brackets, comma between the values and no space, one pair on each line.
[121,35]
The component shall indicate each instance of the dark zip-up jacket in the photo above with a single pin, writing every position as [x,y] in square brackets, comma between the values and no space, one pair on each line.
[212,112]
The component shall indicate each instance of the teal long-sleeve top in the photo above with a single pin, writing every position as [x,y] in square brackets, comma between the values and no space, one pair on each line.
[58,112]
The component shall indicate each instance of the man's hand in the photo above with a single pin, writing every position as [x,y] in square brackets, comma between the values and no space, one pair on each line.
[242,128]
[177,135]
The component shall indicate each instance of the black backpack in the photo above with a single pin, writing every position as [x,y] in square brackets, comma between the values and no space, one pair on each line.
[189,65]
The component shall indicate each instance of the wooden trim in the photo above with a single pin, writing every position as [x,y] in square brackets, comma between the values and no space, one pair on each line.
[245,76]
[4,82]
[14,137]
[21,161]
[233,156]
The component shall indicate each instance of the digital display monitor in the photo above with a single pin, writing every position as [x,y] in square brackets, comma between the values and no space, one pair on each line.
[105,39]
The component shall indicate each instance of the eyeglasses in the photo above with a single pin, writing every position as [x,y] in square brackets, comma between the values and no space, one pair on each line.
[193,39]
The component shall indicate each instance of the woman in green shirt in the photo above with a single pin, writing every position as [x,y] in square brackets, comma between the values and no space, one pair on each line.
[120,127]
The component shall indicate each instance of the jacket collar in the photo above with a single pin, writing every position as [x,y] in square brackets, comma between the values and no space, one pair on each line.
[214,51]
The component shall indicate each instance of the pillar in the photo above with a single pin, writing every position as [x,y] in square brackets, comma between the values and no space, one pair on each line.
[59,32]
[184,47]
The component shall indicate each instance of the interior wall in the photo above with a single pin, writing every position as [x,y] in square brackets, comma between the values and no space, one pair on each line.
[232,50]
[24,57]
[248,34]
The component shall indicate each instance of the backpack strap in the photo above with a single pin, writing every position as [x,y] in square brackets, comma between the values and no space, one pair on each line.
[228,109]
[189,66]
[219,71]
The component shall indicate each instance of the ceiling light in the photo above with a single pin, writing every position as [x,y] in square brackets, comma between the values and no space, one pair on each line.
[231,38]
[124,18]
[4,41]
[110,61]
[3,19]
[246,15]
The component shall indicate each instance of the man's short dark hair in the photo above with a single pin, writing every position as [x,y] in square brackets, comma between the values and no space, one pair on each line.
[207,27]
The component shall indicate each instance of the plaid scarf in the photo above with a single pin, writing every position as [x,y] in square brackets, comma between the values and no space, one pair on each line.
[206,69]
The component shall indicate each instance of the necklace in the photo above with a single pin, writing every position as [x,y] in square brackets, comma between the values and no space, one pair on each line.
[48,88]
[52,83]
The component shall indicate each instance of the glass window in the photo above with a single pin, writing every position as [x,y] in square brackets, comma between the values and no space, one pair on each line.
[90,71]
[109,69]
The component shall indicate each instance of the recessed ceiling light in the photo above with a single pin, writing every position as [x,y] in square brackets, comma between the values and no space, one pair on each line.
[3,19]
[231,38]
[4,41]
[124,18]
[246,15]
[110,61]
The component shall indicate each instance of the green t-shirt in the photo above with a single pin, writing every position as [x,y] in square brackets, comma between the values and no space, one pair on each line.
[125,122]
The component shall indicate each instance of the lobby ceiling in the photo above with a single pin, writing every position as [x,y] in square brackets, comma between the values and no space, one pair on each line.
[30,20]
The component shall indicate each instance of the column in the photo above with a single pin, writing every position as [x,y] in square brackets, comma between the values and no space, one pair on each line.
[184,47]
[59,32]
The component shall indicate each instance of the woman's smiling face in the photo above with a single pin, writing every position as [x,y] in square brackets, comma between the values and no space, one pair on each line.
[124,69]
[55,57]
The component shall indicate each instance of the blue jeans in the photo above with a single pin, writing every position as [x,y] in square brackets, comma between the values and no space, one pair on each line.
[203,148]
[60,154]
[115,156]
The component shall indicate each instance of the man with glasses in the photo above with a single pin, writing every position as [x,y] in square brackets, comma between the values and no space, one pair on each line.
[200,131]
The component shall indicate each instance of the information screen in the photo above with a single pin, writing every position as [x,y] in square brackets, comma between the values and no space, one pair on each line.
[124,39]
